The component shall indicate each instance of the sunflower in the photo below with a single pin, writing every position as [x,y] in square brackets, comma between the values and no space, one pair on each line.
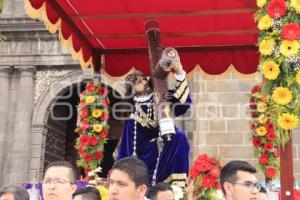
[282,95]
[262,119]
[287,121]
[265,22]
[97,128]
[261,131]
[298,77]
[296,5]
[97,113]
[260,3]
[261,107]
[90,99]
[270,70]
[266,46]
[289,48]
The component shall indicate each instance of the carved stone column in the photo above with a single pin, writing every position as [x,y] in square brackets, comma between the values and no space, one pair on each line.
[4,88]
[20,150]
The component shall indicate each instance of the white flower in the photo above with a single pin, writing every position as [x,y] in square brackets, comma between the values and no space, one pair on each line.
[94,172]
[178,193]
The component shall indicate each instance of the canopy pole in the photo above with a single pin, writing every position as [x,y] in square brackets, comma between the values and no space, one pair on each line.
[97,56]
[286,170]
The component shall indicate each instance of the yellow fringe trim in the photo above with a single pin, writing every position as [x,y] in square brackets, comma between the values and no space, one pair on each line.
[52,27]
[32,12]
[177,177]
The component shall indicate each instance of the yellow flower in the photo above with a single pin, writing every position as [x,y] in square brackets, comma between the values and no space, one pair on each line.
[103,192]
[261,131]
[97,113]
[90,99]
[296,5]
[262,119]
[97,128]
[266,47]
[287,121]
[289,47]
[282,95]
[298,77]
[260,3]
[270,70]
[265,22]
[261,107]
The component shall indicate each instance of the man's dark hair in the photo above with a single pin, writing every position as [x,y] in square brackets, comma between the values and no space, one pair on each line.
[159,187]
[88,193]
[229,171]
[134,168]
[18,192]
[66,164]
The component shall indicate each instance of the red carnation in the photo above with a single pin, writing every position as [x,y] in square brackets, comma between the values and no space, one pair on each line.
[277,8]
[256,142]
[264,159]
[85,125]
[208,181]
[84,140]
[87,158]
[98,155]
[215,172]
[103,91]
[270,171]
[255,89]
[90,87]
[252,104]
[271,136]
[105,116]
[290,31]
[104,134]
[203,157]
[269,125]
[268,146]
[194,172]
[84,112]
[93,140]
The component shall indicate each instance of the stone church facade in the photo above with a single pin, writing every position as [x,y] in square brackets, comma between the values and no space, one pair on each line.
[39,83]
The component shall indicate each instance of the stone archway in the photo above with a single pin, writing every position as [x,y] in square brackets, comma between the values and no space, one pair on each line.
[48,134]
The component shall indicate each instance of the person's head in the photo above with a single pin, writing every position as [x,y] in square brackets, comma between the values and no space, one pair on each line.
[238,181]
[262,194]
[59,181]
[161,191]
[13,193]
[87,193]
[136,84]
[128,179]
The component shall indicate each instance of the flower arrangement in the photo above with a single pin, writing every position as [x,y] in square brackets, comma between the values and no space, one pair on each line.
[92,127]
[278,43]
[204,179]
[265,140]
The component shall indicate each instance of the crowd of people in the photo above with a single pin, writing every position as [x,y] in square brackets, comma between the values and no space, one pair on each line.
[129,180]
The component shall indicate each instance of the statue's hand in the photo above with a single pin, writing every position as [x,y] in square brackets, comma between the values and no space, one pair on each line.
[178,67]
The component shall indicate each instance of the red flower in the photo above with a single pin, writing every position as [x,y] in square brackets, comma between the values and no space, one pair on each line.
[104,134]
[105,102]
[105,116]
[203,157]
[90,87]
[98,155]
[277,153]
[93,140]
[290,31]
[202,166]
[84,112]
[255,89]
[268,146]
[269,125]
[256,142]
[270,171]
[271,136]
[84,125]
[277,8]
[86,171]
[264,159]
[208,181]
[252,103]
[252,127]
[194,172]
[215,171]
[88,158]
[84,140]
[103,91]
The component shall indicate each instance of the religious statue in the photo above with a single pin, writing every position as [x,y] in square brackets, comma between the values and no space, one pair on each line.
[166,155]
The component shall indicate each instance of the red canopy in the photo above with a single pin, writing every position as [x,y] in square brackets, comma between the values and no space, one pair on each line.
[213,34]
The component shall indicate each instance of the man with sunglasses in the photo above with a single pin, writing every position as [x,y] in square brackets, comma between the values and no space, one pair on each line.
[239,182]
[59,181]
